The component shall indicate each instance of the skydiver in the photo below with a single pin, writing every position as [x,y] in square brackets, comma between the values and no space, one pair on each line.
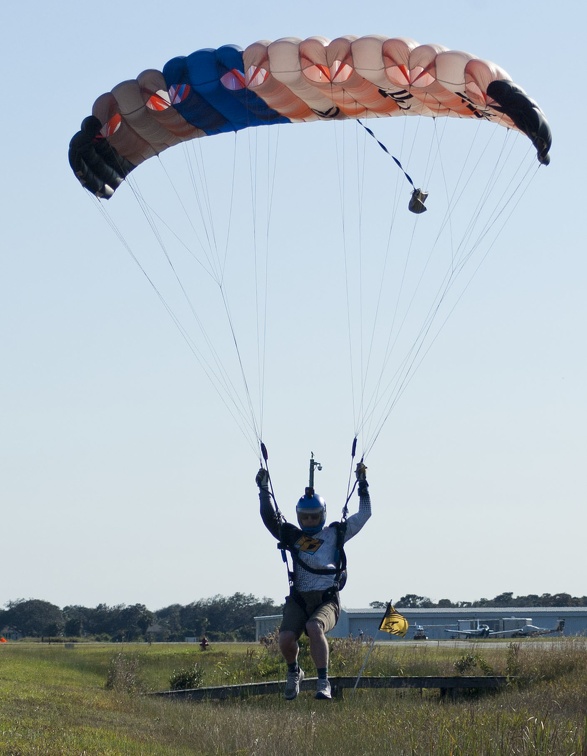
[313,604]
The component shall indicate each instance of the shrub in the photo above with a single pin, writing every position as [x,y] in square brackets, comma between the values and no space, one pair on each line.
[186,678]
[468,662]
[124,673]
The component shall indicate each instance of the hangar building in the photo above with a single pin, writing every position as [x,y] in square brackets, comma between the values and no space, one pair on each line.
[437,623]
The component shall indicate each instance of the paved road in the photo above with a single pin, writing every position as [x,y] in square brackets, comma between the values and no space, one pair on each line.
[485,643]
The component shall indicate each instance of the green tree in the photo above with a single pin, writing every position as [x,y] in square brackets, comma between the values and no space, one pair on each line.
[445,604]
[504,599]
[34,618]
[411,601]
[169,618]
[219,617]
[133,621]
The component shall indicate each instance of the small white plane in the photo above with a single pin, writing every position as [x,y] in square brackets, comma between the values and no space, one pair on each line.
[529,631]
[479,631]
[526,631]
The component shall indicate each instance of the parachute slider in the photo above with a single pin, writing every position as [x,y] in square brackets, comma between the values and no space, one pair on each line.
[417,200]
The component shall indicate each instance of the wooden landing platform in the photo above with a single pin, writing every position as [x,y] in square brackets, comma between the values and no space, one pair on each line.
[446,686]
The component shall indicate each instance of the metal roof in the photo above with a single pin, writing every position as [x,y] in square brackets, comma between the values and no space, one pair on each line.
[474,611]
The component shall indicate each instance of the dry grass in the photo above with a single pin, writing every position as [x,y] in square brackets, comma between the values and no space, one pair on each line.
[55,701]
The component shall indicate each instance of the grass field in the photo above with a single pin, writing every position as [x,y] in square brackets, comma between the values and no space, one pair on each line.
[91,700]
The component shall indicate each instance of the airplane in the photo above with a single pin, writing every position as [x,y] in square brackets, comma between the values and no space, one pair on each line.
[526,631]
[480,631]
[529,631]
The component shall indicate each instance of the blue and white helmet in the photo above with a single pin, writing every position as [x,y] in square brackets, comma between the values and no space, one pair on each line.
[311,504]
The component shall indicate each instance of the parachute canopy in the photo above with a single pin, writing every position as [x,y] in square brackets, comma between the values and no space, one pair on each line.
[290,81]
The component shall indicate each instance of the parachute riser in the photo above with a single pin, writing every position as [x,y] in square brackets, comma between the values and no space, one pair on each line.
[265,459]
[350,491]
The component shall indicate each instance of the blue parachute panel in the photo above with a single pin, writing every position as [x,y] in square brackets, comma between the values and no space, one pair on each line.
[193,107]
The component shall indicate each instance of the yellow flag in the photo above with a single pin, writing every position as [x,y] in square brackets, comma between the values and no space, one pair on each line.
[393,622]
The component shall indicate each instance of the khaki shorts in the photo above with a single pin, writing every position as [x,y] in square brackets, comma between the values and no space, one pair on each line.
[316,609]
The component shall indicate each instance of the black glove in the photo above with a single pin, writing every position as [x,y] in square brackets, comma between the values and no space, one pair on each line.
[262,479]
[361,473]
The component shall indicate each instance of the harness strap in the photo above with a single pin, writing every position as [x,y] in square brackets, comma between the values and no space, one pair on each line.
[339,571]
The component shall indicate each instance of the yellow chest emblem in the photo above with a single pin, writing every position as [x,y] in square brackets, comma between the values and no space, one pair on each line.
[308,545]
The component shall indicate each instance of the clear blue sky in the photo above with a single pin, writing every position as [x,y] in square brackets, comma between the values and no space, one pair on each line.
[123,478]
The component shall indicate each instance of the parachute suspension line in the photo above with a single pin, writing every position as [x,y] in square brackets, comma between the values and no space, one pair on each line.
[404,372]
[467,245]
[413,367]
[178,239]
[222,262]
[220,372]
[272,155]
[216,381]
[412,356]
[394,333]
[199,182]
[358,374]
[360,169]
[382,278]
[359,356]
[205,247]
[341,163]
[457,194]
[358,362]
[498,212]
[253,158]
[409,364]
[261,247]
[365,356]
[206,215]
[262,312]
[241,365]
[421,345]
[368,413]
[367,409]
[365,363]
[223,294]
[253,161]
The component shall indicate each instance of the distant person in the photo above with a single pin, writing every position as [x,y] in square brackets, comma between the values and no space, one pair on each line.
[313,604]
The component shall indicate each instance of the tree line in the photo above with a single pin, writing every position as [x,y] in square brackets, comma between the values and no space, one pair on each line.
[220,618]
[502,601]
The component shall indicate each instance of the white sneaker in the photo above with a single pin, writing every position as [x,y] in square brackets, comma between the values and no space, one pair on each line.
[292,684]
[323,689]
